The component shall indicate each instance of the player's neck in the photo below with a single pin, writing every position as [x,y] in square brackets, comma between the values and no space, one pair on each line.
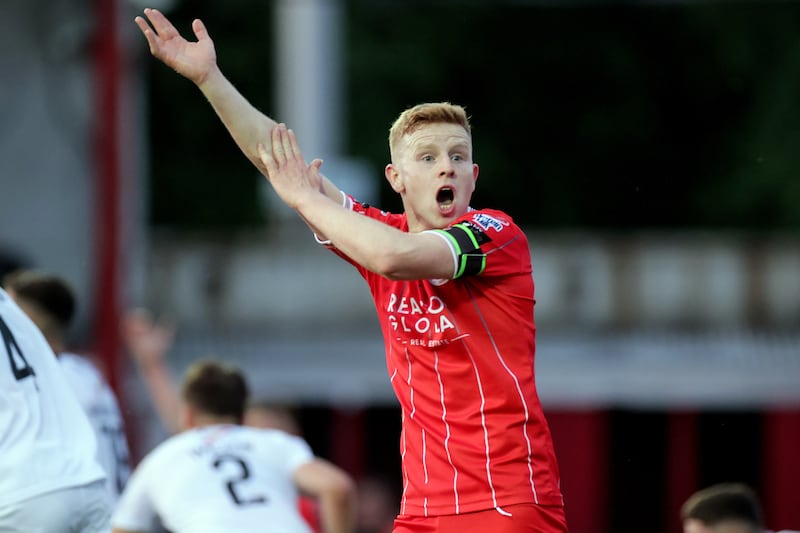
[204,420]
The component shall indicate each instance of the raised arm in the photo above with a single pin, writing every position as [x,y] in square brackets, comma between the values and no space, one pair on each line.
[376,246]
[148,343]
[197,62]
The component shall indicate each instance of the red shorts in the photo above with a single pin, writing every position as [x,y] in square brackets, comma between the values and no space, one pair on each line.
[525,518]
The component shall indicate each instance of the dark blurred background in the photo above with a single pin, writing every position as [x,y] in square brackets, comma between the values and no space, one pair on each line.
[602,115]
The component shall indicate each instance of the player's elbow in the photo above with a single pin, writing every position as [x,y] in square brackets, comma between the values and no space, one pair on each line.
[338,500]
[392,270]
[340,488]
[393,263]
[322,479]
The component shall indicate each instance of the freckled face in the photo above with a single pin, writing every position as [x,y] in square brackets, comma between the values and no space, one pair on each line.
[432,169]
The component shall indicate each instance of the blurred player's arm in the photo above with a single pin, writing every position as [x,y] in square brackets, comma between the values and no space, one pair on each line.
[147,343]
[134,512]
[334,491]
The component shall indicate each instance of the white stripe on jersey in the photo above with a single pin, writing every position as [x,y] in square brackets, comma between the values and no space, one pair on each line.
[410,388]
[425,470]
[446,427]
[403,460]
[519,392]
[483,425]
[424,456]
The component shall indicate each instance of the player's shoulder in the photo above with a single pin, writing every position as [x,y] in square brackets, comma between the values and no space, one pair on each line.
[398,220]
[272,436]
[490,222]
[78,363]
[173,446]
[489,218]
[19,328]
[80,368]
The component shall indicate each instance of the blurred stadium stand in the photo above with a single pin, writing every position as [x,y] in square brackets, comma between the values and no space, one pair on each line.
[659,320]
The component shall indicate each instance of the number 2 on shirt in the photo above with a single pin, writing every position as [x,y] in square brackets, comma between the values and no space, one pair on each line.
[242,475]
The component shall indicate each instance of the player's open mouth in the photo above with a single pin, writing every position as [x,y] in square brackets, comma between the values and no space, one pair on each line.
[445,198]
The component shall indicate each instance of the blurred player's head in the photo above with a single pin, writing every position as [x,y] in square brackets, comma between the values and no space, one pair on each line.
[722,508]
[10,261]
[47,299]
[266,415]
[213,393]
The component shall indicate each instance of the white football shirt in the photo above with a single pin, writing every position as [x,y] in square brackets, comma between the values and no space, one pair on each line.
[217,478]
[46,441]
[99,403]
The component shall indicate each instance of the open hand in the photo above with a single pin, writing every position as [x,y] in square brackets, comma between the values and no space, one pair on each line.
[287,171]
[147,341]
[193,60]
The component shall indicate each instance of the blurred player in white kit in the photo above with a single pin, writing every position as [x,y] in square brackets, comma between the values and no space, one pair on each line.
[50,479]
[218,475]
[50,302]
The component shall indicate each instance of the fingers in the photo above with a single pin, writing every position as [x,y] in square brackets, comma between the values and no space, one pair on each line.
[160,23]
[149,34]
[284,144]
[315,165]
[266,158]
[289,143]
[161,29]
[137,319]
[285,149]
[143,25]
[200,30]
[278,152]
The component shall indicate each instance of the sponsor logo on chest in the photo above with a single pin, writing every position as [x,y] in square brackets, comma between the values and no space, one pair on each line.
[412,316]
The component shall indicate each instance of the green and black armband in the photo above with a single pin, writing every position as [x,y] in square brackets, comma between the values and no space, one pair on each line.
[465,240]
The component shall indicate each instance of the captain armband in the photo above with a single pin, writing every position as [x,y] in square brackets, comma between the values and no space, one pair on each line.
[465,242]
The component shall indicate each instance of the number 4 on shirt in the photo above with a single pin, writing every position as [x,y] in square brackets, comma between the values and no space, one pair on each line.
[15,356]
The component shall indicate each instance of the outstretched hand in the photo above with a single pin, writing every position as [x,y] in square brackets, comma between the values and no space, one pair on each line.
[193,60]
[147,341]
[287,171]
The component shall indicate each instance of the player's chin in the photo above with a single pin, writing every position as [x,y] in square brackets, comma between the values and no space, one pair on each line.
[447,211]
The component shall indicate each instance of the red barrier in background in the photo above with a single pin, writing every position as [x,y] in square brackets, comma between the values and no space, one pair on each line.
[107,76]
[580,438]
[781,468]
[682,463]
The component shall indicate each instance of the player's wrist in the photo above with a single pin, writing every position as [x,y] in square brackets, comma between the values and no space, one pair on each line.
[150,364]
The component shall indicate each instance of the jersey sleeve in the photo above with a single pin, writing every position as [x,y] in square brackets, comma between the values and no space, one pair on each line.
[81,377]
[348,202]
[135,510]
[294,451]
[486,242]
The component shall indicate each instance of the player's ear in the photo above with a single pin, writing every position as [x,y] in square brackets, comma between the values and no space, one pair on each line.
[186,416]
[393,177]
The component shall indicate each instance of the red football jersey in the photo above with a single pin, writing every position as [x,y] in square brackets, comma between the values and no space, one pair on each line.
[460,356]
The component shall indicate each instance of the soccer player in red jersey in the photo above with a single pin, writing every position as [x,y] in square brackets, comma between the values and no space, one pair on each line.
[454,292]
